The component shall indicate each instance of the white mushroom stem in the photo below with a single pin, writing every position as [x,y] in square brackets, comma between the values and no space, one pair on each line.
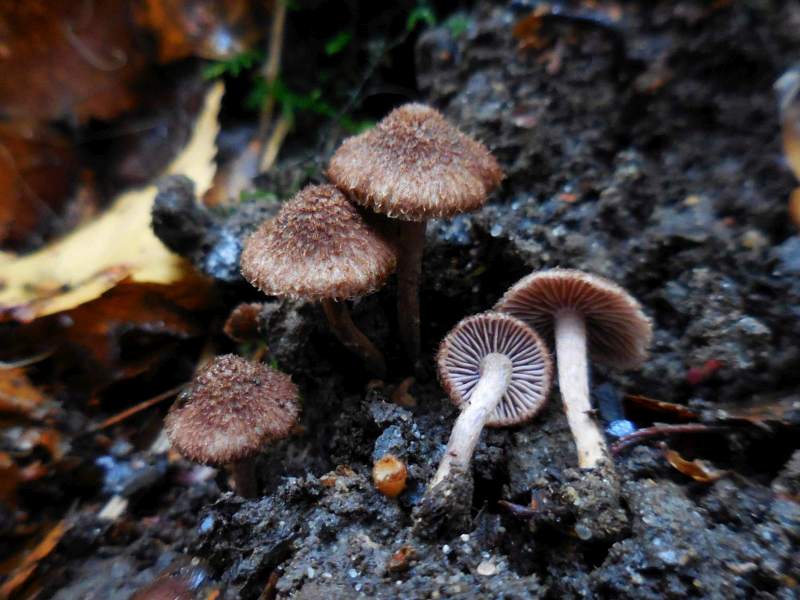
[573,379]
[496,370]
[411,244]
[351,336]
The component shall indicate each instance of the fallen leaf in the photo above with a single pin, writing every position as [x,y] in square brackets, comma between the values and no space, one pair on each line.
[118,246]
[18,396]
[794,207]
[27,565]
[699,470]
[660,406]
[9,478]
[73,60]
[529,31]
[206,28]
[764,411]
[37,177]
[100,327]
[791,131]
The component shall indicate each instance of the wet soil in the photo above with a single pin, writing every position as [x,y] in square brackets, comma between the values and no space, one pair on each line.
[645,148]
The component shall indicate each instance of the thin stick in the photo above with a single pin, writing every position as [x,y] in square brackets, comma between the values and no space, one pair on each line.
[271,71]
[118,418]
[496,370]
[351,336]
[661,430]
[409,267]
[270,151]
[573,380]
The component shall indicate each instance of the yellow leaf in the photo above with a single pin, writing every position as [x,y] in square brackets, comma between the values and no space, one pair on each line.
[119,245]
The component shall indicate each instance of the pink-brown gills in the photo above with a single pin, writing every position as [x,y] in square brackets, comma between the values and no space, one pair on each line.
[618,331]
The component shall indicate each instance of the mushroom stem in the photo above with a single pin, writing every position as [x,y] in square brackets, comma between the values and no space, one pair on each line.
[496,370]
[351,336]
[411,244]
[573,379]
[244,478]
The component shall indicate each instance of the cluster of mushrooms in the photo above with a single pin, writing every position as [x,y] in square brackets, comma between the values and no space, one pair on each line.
[335,242]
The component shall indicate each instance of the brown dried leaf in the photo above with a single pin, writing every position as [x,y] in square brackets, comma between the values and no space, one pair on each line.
[763,411]
[788,89]
[63,59]
[529,31]
[119,245]
[699,470]
[206,28]
[17,395]
[26,566]
[791,135]
[9,478]
[98,326]
[794,207]
[650,404]
[37,177]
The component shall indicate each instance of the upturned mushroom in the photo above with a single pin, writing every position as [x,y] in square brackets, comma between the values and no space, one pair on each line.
[319,248]
[233,408]
[413,166]
[499,371]
[585,314]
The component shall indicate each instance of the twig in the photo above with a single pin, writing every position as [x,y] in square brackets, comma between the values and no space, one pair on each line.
[517,510]
[269,152]
[661,430]
[137,409]
[25,362]
[271,70]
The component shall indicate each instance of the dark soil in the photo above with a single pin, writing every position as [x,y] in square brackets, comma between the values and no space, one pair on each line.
[646,150]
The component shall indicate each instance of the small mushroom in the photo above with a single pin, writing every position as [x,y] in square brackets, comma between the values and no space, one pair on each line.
[232,409]
[586,314]
[320,248]
[242,324]
[499,372]
[413,166]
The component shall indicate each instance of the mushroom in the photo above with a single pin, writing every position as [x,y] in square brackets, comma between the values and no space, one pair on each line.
[319,248]
[499,371]
[414,166]
[232,409]
[585,314]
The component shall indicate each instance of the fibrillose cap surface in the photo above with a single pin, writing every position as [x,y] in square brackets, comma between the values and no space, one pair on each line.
[463,349]
[414,165]
[233,408]
[618,332]
[317,246]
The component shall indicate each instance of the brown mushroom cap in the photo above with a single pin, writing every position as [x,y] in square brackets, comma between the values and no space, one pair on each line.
[618,332]
[317,246]
[233,408]
[459,364]
[414,165]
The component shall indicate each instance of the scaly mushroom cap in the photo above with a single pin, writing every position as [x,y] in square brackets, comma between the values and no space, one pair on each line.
[462,351]
[233,408]
[618,332]
[414,165]
[317,246]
